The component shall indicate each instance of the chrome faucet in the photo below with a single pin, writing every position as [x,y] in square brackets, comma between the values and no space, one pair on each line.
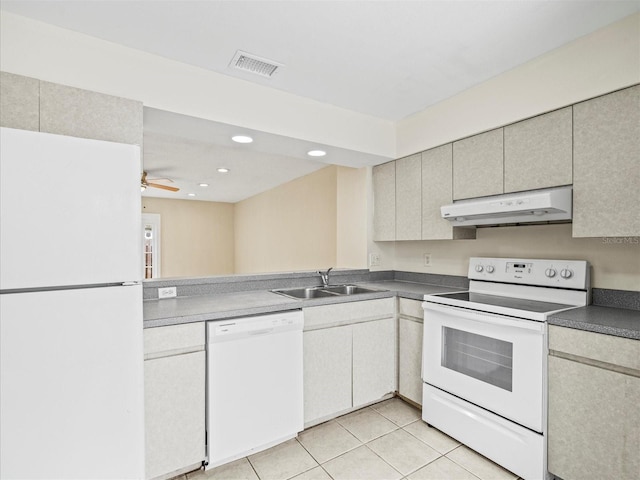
[325,277]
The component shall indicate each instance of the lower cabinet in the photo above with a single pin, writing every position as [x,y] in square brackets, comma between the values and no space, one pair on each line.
[410,330]
[174,371]
[327,371]
[594,419]
[374,366]
[349,356]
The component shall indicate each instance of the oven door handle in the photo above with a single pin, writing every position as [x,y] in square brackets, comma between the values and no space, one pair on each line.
[487,318]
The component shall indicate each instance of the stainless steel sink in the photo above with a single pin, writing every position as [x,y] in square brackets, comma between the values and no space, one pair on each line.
[348,290]
[304,293]
[323,292]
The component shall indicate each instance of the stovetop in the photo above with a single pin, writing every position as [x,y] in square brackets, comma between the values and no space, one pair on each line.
[503,302]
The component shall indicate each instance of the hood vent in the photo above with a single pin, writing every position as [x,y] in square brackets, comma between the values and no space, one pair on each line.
[536,206]
[253,64]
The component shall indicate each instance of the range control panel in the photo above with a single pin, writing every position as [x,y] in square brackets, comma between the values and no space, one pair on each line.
[546,273]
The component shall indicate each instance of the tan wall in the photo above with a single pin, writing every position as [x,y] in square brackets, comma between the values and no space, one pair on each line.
[351,230]
[291,227]
[196,238]
[615,261]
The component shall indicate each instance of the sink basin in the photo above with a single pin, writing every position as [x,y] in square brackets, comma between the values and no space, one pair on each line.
[348,290]
[322,292]
[304,293]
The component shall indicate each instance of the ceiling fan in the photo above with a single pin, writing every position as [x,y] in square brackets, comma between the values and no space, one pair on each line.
[144,183]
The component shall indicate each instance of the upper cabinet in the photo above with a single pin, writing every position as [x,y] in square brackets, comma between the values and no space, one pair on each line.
[384,202]
[437,190]
[85,114]
[408,198]
[538,152]
[19,102]
[606,165]
[478,165]
[30,104]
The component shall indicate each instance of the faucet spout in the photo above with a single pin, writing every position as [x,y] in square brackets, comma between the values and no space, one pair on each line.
[325,277]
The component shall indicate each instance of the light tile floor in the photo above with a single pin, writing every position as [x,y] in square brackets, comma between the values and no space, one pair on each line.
[386,441]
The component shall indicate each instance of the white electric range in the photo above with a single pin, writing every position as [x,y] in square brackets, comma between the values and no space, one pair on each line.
[485,356]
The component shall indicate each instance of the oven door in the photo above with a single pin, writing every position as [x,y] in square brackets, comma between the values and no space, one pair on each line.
[493,361]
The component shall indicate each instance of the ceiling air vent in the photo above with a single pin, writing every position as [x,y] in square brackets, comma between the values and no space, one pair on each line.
[254,64]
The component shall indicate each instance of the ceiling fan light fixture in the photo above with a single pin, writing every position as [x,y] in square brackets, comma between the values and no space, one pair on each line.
[242,139]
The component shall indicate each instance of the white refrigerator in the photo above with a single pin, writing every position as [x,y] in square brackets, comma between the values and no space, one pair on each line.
[71,347]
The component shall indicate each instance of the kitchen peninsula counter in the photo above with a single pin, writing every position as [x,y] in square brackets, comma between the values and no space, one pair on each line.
[221,306]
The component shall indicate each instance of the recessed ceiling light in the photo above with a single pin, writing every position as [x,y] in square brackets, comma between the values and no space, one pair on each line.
[191,194]
[223,170]
[316,153]
[203,184]
[242,139]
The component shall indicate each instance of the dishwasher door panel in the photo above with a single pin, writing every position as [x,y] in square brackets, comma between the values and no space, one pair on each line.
[254,392]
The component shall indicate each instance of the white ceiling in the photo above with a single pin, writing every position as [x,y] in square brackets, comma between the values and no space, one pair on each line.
[387,59]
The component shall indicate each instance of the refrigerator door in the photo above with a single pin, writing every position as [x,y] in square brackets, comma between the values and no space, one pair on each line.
[71,384]
[69,211]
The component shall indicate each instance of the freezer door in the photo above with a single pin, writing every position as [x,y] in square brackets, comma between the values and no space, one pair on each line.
[71,384]
[69,211]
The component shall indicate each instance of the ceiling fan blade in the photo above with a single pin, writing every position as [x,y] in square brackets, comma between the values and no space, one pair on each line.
[164,187]
[160,179]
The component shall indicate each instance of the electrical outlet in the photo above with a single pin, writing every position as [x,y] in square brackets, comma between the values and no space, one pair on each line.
[167,292]
[427,259]
[374,259]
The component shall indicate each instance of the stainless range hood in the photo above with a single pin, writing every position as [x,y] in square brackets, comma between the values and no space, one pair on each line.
[535,206]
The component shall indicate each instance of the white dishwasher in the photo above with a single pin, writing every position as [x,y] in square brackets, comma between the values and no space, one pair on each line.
[254,384]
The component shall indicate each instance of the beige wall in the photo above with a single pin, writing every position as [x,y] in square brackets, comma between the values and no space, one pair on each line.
[290,227]
[615,262]
[196,239]
[351,230]
[595,64]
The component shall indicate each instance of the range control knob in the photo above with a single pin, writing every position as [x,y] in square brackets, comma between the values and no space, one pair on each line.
[550,272]
[490,269]
[566,273]
[479,268]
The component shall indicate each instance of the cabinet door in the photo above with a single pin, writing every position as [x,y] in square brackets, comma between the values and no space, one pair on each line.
[384,202]
[408,198]
[410,359]
[374,360]
[174,412]
[478,165]
[82,113]
[594,422]
[19,102]
[327,372]
[437,190]
[606,165]
[538,152]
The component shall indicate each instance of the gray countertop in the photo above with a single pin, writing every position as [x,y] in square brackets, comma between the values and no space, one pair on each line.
[220,306]
[619,322]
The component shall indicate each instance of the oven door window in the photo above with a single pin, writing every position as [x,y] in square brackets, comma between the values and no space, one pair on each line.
[484,358]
